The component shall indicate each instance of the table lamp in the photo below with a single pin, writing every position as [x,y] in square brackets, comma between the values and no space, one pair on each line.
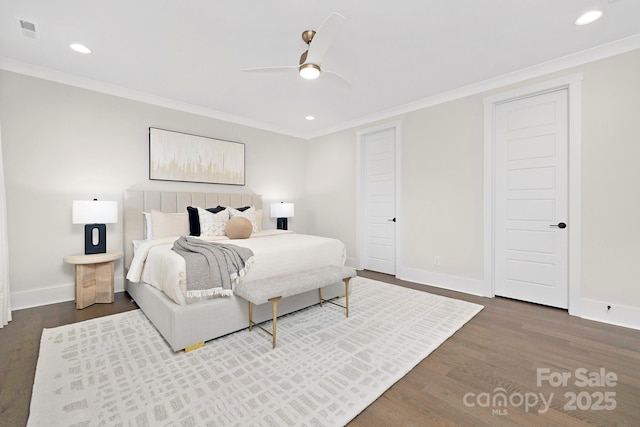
[94,214]
[282,211]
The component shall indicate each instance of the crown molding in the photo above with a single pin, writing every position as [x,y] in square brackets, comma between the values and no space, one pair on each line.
[583,57]
[36,71]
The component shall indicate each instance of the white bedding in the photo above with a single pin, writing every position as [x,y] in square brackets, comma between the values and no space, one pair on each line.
[276,252]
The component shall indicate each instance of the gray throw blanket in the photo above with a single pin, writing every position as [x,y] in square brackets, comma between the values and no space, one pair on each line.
[212,268]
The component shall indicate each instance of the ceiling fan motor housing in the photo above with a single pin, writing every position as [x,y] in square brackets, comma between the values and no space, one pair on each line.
[307,36]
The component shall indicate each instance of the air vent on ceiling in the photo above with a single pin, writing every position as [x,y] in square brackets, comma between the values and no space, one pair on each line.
[28,29]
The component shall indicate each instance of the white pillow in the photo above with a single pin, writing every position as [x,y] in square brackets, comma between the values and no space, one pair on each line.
[212,224]
[259,220]
[249,214]
[148,231]
[169,224]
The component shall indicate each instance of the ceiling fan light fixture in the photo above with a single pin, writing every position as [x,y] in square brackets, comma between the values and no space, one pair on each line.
[309,71]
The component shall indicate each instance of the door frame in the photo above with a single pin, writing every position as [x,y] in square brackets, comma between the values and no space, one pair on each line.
[360,179]
[573,85]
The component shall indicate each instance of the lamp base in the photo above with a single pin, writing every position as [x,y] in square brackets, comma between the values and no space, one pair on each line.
[281,223]
[100,246]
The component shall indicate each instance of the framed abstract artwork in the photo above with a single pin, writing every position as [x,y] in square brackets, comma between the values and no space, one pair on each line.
[175,156]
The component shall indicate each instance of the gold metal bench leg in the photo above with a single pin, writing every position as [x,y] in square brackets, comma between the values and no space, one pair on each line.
[250,315]
[274,304]
[346,289]
[193,347]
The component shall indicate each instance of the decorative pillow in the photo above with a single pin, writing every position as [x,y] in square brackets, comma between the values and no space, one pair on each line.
[249,213]
[258,223]
[238,228]
[212,224]
[168,224]
[194,218]
[194,221]
[259,220]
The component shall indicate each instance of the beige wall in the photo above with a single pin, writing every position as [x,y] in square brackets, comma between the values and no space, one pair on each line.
[62,143]
[441,193]
[442,196]
[611,179]
[331,188]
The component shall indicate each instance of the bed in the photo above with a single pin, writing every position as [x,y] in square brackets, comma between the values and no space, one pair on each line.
[186,322]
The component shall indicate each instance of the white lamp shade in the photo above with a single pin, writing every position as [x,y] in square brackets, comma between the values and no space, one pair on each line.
[94,212]
[282,210]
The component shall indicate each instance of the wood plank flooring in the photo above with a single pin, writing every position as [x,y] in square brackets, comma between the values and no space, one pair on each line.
[20,345]
[500,350]
[496,354]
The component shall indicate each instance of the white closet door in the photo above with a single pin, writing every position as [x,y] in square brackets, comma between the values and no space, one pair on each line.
[531,199]
[380,211]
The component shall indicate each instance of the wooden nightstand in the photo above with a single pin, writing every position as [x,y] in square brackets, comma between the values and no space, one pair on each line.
[94,277]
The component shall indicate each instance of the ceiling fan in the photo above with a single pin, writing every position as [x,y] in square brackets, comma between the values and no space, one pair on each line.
[318,43]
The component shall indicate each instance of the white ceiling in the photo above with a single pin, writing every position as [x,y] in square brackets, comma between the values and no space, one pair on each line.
[189,54]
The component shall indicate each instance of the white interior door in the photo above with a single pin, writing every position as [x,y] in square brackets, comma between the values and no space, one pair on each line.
[531,199]
[379,162]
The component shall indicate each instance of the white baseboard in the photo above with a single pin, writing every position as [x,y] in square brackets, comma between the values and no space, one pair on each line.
[42,296]
[617,314]
[440,280]
[51,295]
[614,314]
[599,311]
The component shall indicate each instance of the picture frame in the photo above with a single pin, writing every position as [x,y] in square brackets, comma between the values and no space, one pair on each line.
[177,156]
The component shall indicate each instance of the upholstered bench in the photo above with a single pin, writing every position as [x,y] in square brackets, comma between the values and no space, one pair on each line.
[273,289]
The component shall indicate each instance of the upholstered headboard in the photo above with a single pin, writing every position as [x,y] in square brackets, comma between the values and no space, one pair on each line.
[138,201]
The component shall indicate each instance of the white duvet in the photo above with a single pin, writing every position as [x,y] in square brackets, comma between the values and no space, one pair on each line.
[275,252]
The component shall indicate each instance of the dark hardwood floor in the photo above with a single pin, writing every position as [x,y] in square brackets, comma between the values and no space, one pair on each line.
[501,350]
[497,354]
[20,345]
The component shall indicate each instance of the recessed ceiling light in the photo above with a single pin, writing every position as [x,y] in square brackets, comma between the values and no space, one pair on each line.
[310,118]
[80,48]
[589,17]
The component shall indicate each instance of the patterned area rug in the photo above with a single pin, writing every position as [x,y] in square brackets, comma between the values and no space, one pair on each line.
[118,370]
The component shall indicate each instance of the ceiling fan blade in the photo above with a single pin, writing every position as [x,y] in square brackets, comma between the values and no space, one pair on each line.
[334,74]
[275,68]
[323,37]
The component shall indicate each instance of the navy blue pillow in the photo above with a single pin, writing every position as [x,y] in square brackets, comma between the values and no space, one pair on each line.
[194,221]
[216,209]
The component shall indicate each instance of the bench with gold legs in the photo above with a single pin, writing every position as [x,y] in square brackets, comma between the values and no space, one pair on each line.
[273,289]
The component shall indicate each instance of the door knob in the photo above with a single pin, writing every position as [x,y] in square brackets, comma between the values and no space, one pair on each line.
[559,225]
[392,220]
